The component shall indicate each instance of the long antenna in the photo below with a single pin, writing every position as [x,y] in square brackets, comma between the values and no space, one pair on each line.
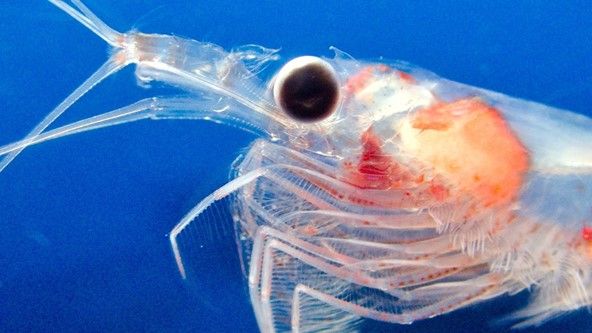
[112,65]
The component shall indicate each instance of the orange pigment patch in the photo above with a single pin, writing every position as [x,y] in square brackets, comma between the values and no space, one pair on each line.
[361,79]
[310,230]
[406,77]
[120,57]
[469,143]
[587,236]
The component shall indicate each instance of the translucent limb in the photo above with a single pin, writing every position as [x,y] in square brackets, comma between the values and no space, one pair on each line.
[347,194]
[273,172]
[203,205]
[150,108]
[289,177]
[338,314]
[374,242]
[318,251]
[144,50]
[303,174]
[325,262]
[282,272]
[302,316]
[110,67]
[116,62]
[88,19]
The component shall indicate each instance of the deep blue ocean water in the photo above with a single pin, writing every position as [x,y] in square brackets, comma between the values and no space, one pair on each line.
[84,219]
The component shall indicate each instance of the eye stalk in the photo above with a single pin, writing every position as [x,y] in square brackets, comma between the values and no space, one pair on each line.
[307,89]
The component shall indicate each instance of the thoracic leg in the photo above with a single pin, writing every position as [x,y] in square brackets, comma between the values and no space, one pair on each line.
[305,249]
[293,287]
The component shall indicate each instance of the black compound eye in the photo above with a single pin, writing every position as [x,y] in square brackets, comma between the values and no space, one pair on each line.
[306,88]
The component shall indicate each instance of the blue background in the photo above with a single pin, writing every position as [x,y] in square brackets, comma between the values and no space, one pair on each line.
[83,220]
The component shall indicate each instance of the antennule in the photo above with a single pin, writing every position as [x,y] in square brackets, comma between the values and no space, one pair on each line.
[88,19]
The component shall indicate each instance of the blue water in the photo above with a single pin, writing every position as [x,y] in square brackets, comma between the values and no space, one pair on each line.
[83,220]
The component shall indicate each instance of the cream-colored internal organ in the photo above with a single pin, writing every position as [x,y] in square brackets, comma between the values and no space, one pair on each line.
[470,145]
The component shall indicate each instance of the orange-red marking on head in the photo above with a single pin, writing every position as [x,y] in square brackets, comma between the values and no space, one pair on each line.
[361,79]
[587,233]
[587,236]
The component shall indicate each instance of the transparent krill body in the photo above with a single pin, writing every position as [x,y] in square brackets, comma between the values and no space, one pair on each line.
[375,190]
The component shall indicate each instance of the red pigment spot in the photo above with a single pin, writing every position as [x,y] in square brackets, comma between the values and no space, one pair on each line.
[373,161]
[587,236]
[120,57]
[375,169]
[438,191]
[310,230]
[587,233]
[360,80]
[340,196]
[408,78]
